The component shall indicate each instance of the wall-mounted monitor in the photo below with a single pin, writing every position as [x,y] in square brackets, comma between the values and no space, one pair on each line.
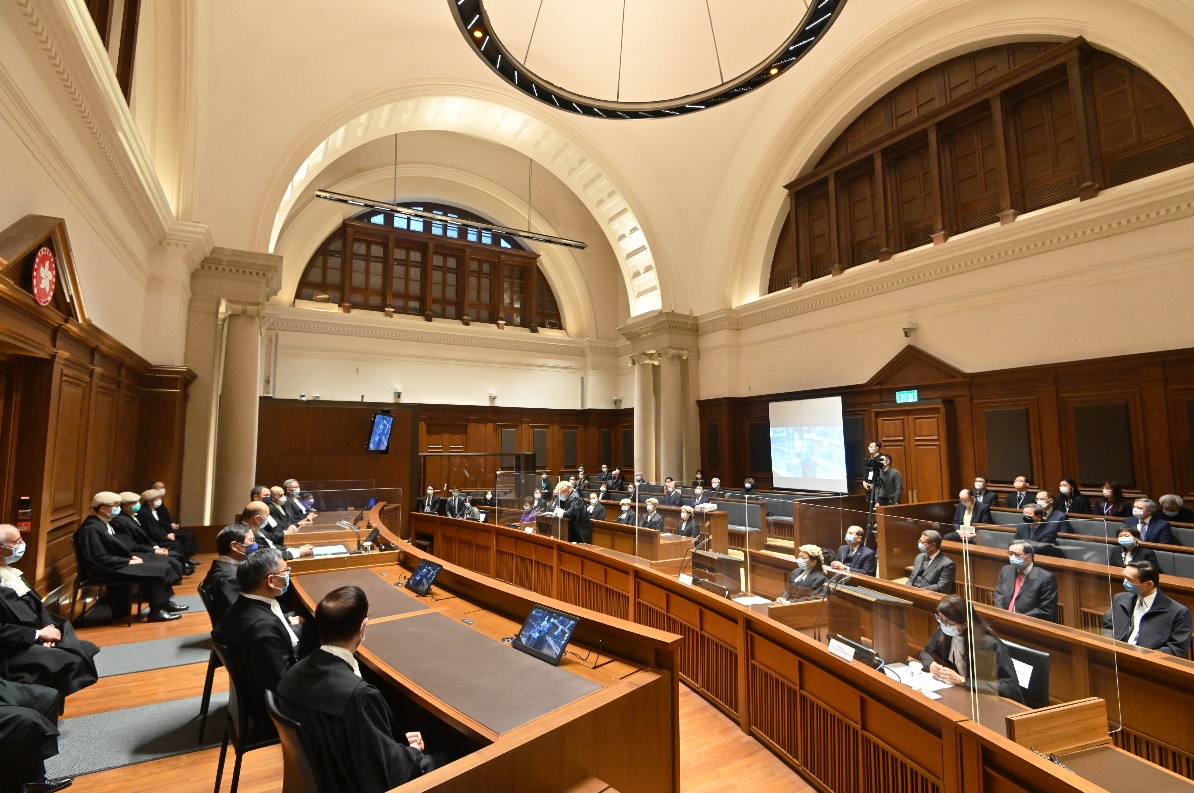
[379,434]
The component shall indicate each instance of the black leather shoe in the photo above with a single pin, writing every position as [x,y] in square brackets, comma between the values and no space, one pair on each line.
[50,785]
[174,607]
[163,616]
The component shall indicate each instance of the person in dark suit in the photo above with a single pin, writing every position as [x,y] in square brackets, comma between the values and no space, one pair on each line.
[281,521]
[1112,504]
[700,496]
[233,543]
[807,581]
[932,570]
[983,494]
[185,537]
[1130,550]
[37,646]
[133,537]
[672,497]
[1153,528]
[1025,588]
[1070,499]
[28,736]
[1147,617]
[571,507]
[293,503]
[688,526]
[430,503]
[345,722]
[103,558]
[891,483]
[626,515]
[539,502]
[715,490]
[698,479]
[1174,509]
[615,480]
[604,475]
[595,508]
[256,516]
[277,522]
[1019,497]
[261,642]
[1046,523]
[968,512]
[652,519]
[455,505]
[947,653]
[854,557]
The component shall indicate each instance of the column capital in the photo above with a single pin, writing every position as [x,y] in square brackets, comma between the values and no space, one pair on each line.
[240,277]
[675,352]
[661,330]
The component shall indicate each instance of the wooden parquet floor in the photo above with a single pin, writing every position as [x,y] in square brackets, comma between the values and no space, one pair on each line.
[715,755]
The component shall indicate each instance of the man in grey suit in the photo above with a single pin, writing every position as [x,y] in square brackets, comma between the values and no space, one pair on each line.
[1025,588]
[932,570]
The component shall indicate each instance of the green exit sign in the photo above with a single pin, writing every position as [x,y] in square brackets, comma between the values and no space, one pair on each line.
[906,396]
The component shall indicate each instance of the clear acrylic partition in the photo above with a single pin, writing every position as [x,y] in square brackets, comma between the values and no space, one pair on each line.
[331,505]
[1010,666]
[511,492]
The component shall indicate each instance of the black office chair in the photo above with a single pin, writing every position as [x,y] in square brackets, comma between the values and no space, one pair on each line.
[84,580]
[213,663]
[238,729]
[297,774]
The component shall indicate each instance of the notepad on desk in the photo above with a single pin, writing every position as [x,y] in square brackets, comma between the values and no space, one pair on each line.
[330,550]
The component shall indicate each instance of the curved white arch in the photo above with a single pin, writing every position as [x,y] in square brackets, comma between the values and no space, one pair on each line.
[483,113]
[917,37]
[312,220]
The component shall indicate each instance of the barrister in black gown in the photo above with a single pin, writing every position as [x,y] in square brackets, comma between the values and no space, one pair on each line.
[652,519]
[233,543]
[688,526]
[580,528]
[35,645]
[260,640]
[160,526]
[595,508]
[132,536]
[28,735]
[103,558]
[344,721]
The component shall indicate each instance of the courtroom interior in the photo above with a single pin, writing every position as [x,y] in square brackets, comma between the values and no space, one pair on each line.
[610,397]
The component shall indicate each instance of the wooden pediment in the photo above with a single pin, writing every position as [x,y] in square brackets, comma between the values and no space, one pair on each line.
[913,366]
[37,248]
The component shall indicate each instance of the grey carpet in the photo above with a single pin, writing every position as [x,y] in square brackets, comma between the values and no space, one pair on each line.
[123,659]
[87,744]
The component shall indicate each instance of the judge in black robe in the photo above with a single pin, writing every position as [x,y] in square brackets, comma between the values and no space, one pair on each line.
[28,735]
[344,721]
[161,528]
[651,519]
[102,558]
[26,655]
[688,525]
[132,536]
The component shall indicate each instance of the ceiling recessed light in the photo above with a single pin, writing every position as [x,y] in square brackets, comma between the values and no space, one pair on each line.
[477,34]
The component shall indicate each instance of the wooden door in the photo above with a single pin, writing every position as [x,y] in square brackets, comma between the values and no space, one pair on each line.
[917,440]
[444,472]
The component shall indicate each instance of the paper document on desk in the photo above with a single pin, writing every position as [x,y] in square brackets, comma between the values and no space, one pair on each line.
[751,600]
[1023,673]
[330,550]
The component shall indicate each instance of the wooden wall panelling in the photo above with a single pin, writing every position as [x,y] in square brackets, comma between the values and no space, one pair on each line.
[161,425]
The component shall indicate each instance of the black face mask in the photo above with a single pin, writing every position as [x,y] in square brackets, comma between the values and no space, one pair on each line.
[1027,519]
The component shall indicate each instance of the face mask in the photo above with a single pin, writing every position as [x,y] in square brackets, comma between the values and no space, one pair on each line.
[603,491]
[157,502]
[748,487]
[1128,585]
[802,564]
[1042,504]
[136,508]
[625,508]
[950,630]
[920,546]
[430,493]
[1064,489]
[250,548]
[650,508]
[1015,560]
[1107,494]
[16,555]
[285,586]
[455,494]
[115,511]
[853,538]
[1127,542]
[281,499]
[265,499]
[593,500]
[638,479]
[1028,519]
[978,485]
[1138,512]
[1171,513]
[699,491]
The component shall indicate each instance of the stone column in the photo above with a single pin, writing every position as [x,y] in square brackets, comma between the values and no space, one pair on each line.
[692,422]
[644,417]
[671,413]
[236,423]
[244,280]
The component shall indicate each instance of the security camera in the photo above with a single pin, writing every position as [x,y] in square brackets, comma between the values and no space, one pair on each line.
[908,330]
[617,402]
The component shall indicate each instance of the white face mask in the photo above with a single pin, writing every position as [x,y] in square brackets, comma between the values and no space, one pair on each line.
[978,485]
[1107,494]
[1138,512]
[625,508]
[650,508]
[1042,503]
[157,502]
[1065,489]
[593,500]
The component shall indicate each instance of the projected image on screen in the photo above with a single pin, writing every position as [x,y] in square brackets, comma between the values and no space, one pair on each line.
[808,445]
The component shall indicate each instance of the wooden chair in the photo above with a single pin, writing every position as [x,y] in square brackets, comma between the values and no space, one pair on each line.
[84,581]
[213,663]
[297,774]
[237,728]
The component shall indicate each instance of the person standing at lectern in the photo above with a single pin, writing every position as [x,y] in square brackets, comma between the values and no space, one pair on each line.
[854,557]
[571,507]
[1025,588]
[345,722]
